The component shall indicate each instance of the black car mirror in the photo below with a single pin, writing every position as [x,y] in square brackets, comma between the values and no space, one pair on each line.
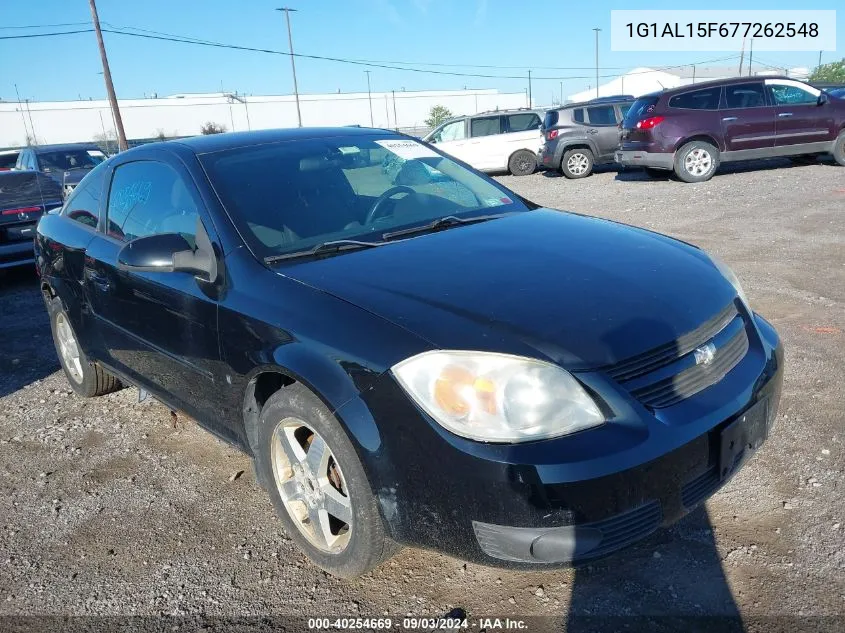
[170,252]
[823,98]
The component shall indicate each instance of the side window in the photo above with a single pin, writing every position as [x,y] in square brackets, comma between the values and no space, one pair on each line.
[745,95]
[523,122]
[83,206]
[485,126]
[706,99]
[148,198]
[785,94]
[602,115]
[455,131]
[623,109]
[578,115]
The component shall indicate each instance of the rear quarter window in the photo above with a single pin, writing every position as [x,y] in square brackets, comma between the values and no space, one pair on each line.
[578,115]
[706,99]
[551,119]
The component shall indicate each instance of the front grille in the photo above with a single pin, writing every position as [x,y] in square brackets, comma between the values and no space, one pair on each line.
[667,374]
[700,488]
[624,529]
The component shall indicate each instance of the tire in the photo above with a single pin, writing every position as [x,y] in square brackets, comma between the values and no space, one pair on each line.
[295,416]
[696,161]
[577,163]
[652,172]
[839,149]
[522,163]
[87,378]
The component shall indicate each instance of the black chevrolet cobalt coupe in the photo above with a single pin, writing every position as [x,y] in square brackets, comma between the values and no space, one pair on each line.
[412,354]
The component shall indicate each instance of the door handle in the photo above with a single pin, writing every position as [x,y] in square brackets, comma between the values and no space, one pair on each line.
[591,131]
[784,113]
[729,118]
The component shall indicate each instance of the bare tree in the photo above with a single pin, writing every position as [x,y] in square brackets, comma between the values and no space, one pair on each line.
[210,127]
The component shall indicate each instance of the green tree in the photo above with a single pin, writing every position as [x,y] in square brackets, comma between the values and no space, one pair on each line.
[833,72]
[437,115]
[212,128]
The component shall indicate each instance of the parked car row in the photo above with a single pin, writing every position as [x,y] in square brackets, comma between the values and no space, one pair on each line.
[688,131]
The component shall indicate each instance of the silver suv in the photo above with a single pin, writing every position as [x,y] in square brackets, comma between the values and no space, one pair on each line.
[580,135]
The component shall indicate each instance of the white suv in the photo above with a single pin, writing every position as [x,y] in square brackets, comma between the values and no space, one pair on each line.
[506,140]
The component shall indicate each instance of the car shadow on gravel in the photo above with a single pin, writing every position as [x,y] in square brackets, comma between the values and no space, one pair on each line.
[636,174]
[673,582]
[27,353]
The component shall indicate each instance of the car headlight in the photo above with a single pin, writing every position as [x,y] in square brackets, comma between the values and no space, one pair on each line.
[497,397]
[729,274]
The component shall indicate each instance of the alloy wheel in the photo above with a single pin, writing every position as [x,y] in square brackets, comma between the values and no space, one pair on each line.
[577,164]
[68,348]
[311,485]
[698,162]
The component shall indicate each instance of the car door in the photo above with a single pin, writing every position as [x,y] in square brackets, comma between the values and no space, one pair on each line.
[521,131]
[159,329]
[452,138]
[747,117]
[487,147]
[800,120]
[602,130]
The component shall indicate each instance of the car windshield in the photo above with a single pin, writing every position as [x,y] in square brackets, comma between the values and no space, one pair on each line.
[290,196]
[65,160]
[640,109]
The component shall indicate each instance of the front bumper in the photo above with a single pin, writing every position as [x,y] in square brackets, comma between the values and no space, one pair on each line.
[572,499]
[639,158]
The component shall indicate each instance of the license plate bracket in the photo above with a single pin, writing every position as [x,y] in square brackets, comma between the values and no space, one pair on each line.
[742,437]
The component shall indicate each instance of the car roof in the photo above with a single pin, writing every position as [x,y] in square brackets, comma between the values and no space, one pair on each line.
[229,140]
[598,101]
[60,147]
[718,82]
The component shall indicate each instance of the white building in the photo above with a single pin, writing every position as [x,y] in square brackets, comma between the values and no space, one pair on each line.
[640,81]
[183,115]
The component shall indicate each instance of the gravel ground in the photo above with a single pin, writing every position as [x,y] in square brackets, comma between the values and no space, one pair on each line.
[109,507]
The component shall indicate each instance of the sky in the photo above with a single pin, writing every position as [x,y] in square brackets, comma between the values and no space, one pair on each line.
[511,36]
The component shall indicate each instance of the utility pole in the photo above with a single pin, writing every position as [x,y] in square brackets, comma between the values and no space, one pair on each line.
[597,61]
[561,93]
[741,56]
[529,89]
[370,97]
[820,58]
[395,119]
[29,139]
[121,135]
[750,55]
[287,11]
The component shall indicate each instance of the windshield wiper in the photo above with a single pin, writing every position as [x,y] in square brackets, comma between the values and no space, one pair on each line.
[442,223]
[322,248]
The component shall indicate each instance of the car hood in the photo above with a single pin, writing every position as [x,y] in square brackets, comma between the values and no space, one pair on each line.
[577,290]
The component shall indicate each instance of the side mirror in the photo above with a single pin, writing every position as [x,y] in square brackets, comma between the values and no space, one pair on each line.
[170,252]
[823,98]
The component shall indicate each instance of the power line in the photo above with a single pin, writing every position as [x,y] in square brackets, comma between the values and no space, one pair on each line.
[208,43]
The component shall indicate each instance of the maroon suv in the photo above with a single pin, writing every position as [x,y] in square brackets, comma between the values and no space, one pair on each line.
[690,130]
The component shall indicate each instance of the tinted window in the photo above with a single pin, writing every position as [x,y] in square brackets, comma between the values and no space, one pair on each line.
[485,126]
[789,95]
[578,115]
[551,119]
[602,115]
[148,198]
[641,108]
[84,203]
[27,188]
[287,197]
[455,131]
[707,99]
[8,161]
[523,122]
[64,160]
[745,96]
[623,109]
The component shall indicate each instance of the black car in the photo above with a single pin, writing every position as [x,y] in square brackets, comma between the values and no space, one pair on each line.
[67,164]
[414,356]
[24,196]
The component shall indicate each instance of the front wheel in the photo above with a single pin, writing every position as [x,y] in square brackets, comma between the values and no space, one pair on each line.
[522,163]
[577,163]
[696,161]
[318,485]
[839,149]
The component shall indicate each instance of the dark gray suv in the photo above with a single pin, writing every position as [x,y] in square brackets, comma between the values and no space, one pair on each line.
[580,135]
